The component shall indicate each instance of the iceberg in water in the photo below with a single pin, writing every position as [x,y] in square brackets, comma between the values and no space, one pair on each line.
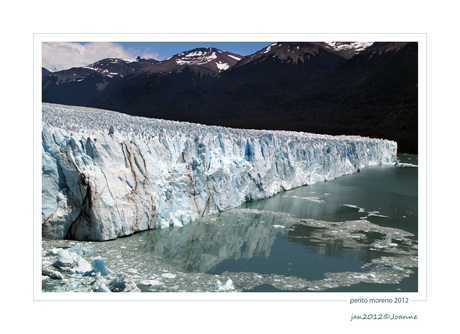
[107,175]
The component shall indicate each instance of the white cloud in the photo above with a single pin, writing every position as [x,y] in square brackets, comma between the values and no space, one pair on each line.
[58,56]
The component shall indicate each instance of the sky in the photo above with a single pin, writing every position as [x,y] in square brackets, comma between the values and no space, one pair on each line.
[63,55]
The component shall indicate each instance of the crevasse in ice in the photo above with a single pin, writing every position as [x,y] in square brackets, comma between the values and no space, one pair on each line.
[107,175]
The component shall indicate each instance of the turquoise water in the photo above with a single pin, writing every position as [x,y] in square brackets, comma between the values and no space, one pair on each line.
[355,233]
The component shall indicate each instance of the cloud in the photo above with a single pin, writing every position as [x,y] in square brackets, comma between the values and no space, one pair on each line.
[58,56]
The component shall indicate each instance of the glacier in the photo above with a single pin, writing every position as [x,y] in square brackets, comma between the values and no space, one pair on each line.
[107,175]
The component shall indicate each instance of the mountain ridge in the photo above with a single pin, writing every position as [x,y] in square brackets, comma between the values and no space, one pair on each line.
[367,88]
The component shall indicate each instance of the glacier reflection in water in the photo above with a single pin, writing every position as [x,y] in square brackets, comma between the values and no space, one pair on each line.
[201,246]
[356,233]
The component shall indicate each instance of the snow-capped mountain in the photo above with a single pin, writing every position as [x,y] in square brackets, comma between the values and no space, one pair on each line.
[79,85]
[293,52]
[107,175]
[203,60]
[335,87]
[106,68]
[112,67]
[209,61]
[356,46]
[296,52]
[349,49]
[382,48]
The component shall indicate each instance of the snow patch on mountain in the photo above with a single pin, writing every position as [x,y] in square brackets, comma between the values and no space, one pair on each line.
[106,175]
[355,46]
[222,66]
[234,57]
[196,58]
[104,72]
[268,48]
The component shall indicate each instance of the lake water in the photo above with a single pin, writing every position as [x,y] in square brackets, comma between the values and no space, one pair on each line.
[356,233]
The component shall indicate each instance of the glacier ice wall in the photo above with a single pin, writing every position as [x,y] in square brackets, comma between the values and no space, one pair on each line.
[107,175]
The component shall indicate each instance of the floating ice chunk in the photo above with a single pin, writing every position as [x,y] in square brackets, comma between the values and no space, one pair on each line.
[150,282]
[55,251]
[46,262]
[65,259]
[99,284]
[51,273]
[82,267]
[279,226]
[80,250]
[122,283]
[402,164]
[228,286]
[309,198]
[103,288]
[362,276]
[376,214]
[355,207]
[99,266]
[168,275]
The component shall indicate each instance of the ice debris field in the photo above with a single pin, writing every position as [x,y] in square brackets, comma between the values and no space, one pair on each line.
[106,175]
[137,263]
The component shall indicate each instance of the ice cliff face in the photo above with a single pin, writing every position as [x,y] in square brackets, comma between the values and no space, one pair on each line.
[107,175]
